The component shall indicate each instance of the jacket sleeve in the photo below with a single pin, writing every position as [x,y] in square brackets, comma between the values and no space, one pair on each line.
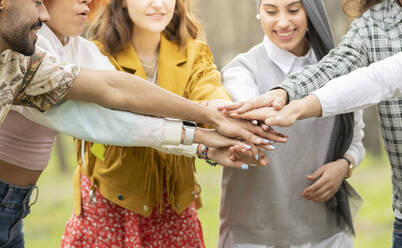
[204,81]
[381,81]
[350,54]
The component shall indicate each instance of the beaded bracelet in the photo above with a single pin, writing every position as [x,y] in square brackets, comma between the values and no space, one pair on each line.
[204,155]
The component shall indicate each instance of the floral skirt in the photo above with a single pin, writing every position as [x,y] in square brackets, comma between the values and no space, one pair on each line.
[103,224]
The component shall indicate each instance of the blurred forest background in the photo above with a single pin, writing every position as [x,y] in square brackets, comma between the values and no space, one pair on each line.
[231,28]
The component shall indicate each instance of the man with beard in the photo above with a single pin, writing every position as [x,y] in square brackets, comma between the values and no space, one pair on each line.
[31,78]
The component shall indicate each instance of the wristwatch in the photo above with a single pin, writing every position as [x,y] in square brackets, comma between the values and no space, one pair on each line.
[351,166]
[189,131]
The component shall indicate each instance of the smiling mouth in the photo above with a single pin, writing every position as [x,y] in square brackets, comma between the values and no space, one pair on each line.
[156,15]
[285,34]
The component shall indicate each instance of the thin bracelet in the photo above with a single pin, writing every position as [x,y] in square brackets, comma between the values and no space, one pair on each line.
[204,155]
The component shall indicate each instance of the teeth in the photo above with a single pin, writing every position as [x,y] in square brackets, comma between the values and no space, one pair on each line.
[285,34]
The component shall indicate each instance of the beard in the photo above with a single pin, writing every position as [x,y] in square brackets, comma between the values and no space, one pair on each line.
[17,35]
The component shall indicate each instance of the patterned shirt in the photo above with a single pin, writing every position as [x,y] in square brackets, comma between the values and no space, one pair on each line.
[36,81]
[374,36]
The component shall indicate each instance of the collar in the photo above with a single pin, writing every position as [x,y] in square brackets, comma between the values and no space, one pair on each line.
[394,11]
[5,56]
[51,36]
[169,53]
[284,59]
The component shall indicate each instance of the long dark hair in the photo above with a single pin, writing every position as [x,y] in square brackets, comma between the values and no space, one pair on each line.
[355,8]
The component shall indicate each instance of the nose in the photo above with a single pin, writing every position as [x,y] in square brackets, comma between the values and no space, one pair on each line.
[43,14]
[283,22]
[157,3]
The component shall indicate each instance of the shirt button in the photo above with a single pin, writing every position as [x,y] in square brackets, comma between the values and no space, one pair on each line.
[121,197]
[146,208]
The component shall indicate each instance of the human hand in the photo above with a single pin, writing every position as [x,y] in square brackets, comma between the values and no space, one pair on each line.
[225,157]
[285,117]
[213,139]
[245,130]
[240,154]
[274,98]
[330,176]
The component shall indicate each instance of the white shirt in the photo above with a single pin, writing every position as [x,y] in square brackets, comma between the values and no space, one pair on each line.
[92,122]
[363,87]
[242,85]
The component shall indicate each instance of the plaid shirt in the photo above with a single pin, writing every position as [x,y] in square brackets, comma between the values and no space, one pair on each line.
[36,81]
[374,36]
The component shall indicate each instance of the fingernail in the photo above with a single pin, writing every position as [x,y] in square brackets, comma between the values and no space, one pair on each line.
[244,167]
[271,147]
[256,157]
[255,122]
[253,165]
[248,147]
[267,141]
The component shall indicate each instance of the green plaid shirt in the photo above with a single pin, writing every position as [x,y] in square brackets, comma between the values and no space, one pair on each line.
[376,35]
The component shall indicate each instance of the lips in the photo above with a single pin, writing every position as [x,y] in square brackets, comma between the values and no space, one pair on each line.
[155,14]
[84,12]
[285,34]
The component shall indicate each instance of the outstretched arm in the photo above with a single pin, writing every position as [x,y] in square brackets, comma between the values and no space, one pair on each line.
[359,89]
[362,88]
[349,55]
[119,90]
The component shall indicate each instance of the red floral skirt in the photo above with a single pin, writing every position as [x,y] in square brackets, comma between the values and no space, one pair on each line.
[103,224]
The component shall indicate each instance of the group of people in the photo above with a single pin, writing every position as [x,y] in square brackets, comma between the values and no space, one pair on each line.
[136,185]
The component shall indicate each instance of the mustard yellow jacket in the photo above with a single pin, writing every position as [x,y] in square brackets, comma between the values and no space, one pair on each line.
[135,177]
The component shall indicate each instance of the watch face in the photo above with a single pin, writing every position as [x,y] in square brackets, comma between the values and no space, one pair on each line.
[190,123]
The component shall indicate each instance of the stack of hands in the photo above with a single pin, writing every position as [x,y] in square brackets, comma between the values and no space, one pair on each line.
[252,122]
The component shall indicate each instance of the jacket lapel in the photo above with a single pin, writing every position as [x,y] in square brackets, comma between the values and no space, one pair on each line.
[130,62]
[171,67]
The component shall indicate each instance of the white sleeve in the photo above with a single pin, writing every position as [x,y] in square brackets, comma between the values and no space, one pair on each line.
[239,83]
[94,123]
[363,87]
[356,148]
[180,150]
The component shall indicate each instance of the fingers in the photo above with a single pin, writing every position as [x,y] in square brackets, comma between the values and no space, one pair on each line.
[278,103]
[247,157]
[316,174]
[315,187]
[231,107]
[254,114]
[323,197]
[270,137]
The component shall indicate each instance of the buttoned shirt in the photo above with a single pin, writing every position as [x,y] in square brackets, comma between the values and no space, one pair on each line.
[363,87]
[374,36]
[36,81]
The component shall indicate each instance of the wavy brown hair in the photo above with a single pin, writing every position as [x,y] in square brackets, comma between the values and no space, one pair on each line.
[113,27]
[355,8]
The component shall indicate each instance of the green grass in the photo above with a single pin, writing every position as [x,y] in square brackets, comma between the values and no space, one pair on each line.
[44,226]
